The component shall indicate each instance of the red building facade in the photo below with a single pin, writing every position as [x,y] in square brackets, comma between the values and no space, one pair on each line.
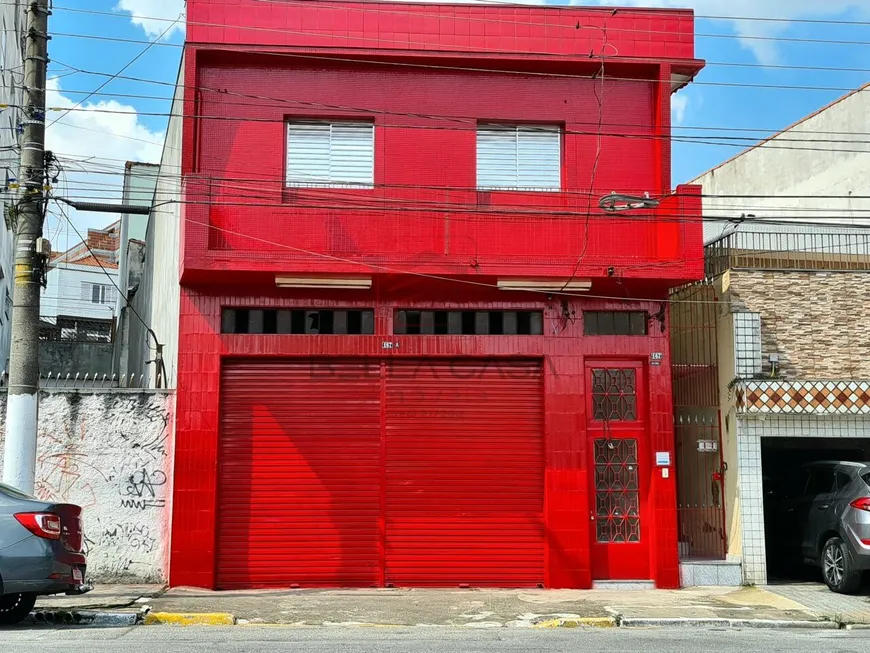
[413,350]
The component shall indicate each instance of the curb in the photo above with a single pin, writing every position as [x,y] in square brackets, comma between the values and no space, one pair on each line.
[578,622]
[189,619]
[82,618]
[726,623]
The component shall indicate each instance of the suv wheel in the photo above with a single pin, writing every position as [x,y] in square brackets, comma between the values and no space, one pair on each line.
[15,607]
[837,568]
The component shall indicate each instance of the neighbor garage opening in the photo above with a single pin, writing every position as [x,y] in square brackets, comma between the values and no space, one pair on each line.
[782,485]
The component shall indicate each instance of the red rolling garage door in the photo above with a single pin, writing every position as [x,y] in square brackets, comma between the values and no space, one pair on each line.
[318,488]
[300,474]
[464,458]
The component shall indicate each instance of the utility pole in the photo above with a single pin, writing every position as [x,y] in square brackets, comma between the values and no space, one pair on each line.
[19,461]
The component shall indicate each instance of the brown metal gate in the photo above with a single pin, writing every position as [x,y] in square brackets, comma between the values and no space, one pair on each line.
[700,468]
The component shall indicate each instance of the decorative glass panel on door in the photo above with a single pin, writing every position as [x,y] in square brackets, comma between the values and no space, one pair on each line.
[617,501]
[614,395]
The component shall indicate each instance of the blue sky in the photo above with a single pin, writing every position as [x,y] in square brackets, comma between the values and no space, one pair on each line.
[763,61]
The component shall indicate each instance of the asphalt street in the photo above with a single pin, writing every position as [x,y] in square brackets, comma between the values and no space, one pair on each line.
[252,639]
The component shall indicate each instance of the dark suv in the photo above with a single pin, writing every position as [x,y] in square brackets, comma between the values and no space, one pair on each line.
[819,514]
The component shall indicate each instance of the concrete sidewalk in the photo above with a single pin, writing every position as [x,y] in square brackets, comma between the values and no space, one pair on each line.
[780,606]
[501,608]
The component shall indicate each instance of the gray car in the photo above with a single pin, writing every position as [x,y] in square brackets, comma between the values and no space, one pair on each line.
[819,514]
[40,552]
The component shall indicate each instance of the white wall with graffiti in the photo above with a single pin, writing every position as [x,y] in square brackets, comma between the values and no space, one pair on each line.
[109,451]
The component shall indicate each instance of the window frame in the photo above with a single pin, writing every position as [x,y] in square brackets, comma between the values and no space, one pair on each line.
[301,183]
[517,129]
[595,323]
[100,294]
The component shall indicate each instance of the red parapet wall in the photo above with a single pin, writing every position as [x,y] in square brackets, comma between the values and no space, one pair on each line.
[482,28]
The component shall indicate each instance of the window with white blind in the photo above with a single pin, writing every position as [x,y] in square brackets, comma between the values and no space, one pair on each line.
[97,293]
[330,154]
[519,157]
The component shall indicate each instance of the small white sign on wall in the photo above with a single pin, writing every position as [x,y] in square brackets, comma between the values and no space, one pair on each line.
[663,458]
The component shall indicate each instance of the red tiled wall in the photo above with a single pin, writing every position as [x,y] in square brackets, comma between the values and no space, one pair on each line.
[565,355]
[425,214]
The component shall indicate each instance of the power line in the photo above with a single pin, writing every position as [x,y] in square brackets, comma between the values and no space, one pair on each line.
[227,92]
[423,211]
[573,27]
[113,77]
[107,273]
[225,48]
[744,141]
[383,268]
[769,144]
[107,170]
[569,25]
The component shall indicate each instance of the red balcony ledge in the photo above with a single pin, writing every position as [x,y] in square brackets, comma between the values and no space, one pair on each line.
[239,244]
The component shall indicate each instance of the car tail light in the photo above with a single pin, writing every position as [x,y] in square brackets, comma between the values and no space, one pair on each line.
[861,504]
[71,536]
[41,524]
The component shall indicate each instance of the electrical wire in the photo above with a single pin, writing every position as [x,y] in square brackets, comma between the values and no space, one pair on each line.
[428,212]
[469,18]
[741,141]
[382,62]
[434,277]
[260,181]
[115,76]
[769,143]
[388,269]
[226,92]
[709,64]
[571,12]
[132,308]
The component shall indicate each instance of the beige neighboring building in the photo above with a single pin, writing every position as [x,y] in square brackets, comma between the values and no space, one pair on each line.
[771,354]
[791,369]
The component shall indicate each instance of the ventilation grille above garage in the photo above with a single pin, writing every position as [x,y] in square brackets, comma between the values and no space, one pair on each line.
[486,323]
[615,323]
[298,321]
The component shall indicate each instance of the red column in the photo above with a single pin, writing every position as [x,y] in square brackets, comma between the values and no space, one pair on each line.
[666,562]
[192,548]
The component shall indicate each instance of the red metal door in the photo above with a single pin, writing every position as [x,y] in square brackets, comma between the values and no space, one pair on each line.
[299,474]
[464,473]
[620,471]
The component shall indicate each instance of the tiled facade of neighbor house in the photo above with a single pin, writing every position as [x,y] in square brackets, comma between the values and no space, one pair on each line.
[803,315]
[818,388]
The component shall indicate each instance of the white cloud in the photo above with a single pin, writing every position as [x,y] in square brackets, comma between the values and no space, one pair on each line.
[765,51]
[679,104]
[108,133]
[144,12]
